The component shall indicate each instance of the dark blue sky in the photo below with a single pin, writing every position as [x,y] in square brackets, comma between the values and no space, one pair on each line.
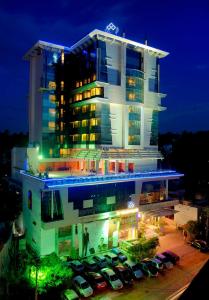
[180,27]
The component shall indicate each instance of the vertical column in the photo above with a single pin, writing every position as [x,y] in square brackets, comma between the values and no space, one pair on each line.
[97,166]
[105,167]
[126,166]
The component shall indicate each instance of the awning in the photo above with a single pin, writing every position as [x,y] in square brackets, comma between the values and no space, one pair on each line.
[164,212]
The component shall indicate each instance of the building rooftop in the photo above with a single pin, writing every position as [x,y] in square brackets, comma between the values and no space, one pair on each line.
[93,34]
[99,179]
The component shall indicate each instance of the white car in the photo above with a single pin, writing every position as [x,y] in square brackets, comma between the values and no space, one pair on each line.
[112,278]
[82,286]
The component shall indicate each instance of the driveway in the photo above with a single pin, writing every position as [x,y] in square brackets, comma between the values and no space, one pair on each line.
[191,261]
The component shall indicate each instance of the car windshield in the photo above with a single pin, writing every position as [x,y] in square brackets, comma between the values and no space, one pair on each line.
[84,285]
[113,277]
[99,279]
[136,267]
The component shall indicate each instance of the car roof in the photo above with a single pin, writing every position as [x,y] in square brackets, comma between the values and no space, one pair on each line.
[79,279]
[99,256]
[110,254]
[94,274]
[130,263]
[109,271]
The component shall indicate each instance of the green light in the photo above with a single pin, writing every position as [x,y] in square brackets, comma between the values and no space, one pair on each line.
[42,274]
[65,146]
[40,157]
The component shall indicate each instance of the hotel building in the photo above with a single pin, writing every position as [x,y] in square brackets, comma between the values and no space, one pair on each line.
[91,168]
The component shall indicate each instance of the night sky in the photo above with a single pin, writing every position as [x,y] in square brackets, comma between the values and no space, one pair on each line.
[180,27]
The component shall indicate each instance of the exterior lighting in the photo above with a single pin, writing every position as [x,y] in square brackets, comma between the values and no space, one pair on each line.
[127,211]
[40,157]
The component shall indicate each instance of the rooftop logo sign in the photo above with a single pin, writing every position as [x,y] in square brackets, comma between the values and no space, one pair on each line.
[111,28]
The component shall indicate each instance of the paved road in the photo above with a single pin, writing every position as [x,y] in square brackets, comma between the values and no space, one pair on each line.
[170,281]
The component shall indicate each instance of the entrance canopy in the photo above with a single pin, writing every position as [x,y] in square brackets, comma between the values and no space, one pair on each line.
[163,212]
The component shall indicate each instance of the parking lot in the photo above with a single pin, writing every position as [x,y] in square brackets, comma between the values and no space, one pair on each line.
[170,281]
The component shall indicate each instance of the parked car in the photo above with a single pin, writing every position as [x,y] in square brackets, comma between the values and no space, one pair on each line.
[122,257]
[173,257]
[96,280]
[112,259]
[112,278]
[200,245]
[134,269]
[165,260]
[90,264]
[100,261]
[82,286]
[69,294]
[76,265]
[124,274]
[148,269]
[156,263]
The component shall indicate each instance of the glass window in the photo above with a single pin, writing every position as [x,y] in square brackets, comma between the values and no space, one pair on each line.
[51,125]
[92,137]
[84,137]
[84,123]
[88,203]
[93,107]
[62,99]
[84,109]
[62,57]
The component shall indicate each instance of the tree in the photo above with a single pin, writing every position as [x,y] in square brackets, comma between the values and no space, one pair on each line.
[47,272]
[193,228]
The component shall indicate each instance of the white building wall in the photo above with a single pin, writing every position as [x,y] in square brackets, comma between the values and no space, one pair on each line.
[19,162]
[185,213]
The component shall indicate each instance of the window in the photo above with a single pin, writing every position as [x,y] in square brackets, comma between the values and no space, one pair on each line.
[84,109]
[62,85]
[29,199]
[61,112]
[64,231]
[131,81]
[51,125]
[62,99]
[52,98]
[84,137]
[92,137]
[87,203]
[62,57]
[52,85]
[61,126]
[93,107]
[131,96]
[61,139]
[76,124]
[84,123]
[52,111]
[111,200]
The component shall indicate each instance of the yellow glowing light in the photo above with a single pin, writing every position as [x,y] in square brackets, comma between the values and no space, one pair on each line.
[127,211]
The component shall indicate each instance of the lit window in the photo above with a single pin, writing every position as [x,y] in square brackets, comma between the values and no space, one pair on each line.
[98,91]
[92,92]
[131,96]
[62,85]
[87,203]
[51,125]
[62,99]
[94,77]
[131,81]
[111,200]
[52,111]
[52,98]
[84,123]
[76,137]
[89,80]
[61,126]
[92,137]
[84,137]
[52,85]
[61,112]
[93,122]
[77,84]
[85,81]
[76,124]
[84,109]
[93,107]
[29,199]
[80,83]
[62,57]
[87,94]
[61,139]
[50,151]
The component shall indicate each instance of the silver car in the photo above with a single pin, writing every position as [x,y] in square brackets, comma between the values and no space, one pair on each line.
[112,278]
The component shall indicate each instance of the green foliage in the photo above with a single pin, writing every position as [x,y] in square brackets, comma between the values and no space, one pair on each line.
[193,228]
[47,272]
[143,248]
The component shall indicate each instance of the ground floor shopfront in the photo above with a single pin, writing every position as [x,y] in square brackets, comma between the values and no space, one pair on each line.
[84,239]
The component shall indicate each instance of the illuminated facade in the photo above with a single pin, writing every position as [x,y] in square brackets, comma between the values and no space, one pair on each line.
[92,156]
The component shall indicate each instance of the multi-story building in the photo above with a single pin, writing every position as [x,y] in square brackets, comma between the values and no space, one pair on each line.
[92,160]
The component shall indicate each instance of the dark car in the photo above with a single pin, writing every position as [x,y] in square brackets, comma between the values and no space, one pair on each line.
[100,261]
[76,265]
[124,274]
[200,245]
[173,257]
[134,269]
[112,259]
[122,257]
[90,264]
[96,280]
[165,260]
[148,269]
